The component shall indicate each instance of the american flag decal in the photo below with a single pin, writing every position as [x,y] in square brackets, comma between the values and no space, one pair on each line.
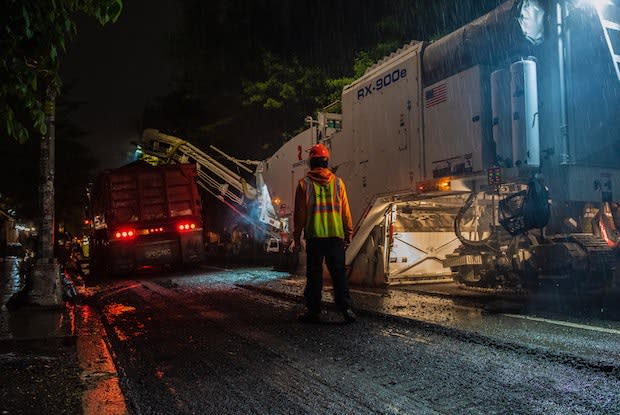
[436,95]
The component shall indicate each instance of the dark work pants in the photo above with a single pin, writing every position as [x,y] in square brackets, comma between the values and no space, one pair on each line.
[332,251]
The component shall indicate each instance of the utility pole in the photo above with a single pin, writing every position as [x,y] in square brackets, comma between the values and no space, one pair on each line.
[46,287]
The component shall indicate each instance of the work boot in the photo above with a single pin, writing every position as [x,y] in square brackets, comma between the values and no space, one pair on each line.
[349,315]
[310,317]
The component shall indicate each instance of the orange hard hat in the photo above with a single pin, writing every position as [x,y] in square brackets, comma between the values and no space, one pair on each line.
[319,151]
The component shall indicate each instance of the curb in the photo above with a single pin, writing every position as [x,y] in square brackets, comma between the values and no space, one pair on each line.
[102,394]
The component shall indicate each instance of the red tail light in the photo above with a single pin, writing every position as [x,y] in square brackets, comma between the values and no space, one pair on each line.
[125,234]
[186,226]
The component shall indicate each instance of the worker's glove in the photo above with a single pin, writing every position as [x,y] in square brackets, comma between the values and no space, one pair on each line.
[347,242]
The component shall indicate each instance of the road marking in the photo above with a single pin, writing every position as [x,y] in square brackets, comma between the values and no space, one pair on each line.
[417,338]
[566,324]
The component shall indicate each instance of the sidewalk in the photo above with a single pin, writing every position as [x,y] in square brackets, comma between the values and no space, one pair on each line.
[53,361]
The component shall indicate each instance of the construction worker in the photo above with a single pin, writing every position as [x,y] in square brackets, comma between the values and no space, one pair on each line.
[322,213]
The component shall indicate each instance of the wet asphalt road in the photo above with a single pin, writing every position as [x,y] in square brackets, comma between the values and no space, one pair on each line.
[199,343]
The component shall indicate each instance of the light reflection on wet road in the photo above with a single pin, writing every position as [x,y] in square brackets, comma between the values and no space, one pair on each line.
[179,338]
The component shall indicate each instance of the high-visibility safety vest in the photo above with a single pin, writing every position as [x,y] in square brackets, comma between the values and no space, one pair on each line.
[323,207]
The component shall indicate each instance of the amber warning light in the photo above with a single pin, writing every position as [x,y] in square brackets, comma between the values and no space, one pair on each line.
[441,185]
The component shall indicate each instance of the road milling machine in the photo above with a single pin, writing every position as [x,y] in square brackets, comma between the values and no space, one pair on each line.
[491,155]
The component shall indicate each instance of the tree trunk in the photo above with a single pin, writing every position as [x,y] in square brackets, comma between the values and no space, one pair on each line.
[45,288]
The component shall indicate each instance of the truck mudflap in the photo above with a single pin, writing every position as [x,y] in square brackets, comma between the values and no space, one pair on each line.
[120,259]
[192,248]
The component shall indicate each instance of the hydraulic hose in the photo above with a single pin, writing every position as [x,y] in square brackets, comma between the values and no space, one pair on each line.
[483,243]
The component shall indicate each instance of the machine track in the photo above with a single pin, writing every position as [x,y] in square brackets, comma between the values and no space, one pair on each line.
[601,258]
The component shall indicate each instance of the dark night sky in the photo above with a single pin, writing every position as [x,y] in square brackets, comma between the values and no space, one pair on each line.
[113,71]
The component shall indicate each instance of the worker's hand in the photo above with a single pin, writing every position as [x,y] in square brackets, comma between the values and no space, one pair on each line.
[347,242]
[295,247]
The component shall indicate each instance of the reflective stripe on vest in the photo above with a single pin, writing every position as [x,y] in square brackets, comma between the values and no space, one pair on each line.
[324,219]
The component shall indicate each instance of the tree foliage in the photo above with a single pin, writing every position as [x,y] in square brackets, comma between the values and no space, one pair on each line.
[34,34]
[289,88]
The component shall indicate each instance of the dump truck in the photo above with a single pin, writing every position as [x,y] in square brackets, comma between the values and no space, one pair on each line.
[145,216]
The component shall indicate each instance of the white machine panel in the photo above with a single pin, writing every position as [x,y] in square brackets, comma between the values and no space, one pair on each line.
[378,150]
[457,128]
[524,105]
[502,117]
[420,253]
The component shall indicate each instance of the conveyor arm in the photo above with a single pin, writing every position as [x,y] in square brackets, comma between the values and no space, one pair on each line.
[214,176]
